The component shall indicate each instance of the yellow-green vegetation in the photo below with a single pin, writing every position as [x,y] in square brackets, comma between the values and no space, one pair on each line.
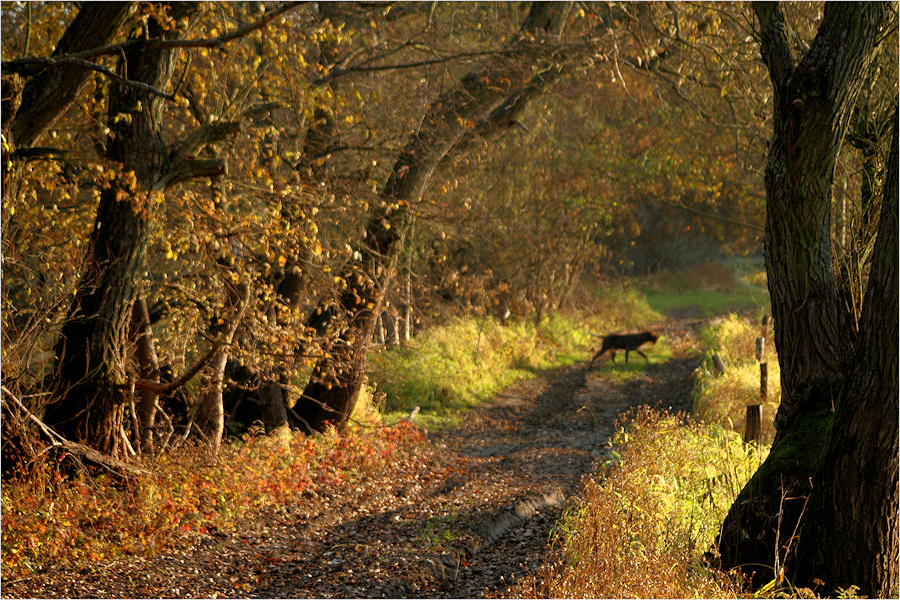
[641,526]
[709,289]
[620,372]
[724,398]
[50,520]
[458,365]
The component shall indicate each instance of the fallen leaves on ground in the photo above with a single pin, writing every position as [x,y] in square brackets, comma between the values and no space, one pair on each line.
[471,514]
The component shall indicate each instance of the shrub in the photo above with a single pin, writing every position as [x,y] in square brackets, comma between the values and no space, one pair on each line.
[641,526]
[52,520]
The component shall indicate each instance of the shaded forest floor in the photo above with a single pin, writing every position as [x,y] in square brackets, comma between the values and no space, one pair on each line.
[472,516]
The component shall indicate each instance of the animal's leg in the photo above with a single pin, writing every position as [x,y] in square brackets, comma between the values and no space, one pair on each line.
[642,354]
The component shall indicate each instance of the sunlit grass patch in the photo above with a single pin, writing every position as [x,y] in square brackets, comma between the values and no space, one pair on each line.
[709,289]
[723,398]
[641,526]
[453,367]
[456,366]
[708,304]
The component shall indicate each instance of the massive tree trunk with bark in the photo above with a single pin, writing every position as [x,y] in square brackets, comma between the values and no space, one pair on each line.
[50,93]
[331,394]
[814,330]
[91,393]
[851,535]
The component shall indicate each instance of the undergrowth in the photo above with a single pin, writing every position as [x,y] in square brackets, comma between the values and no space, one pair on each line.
[452,367]
[51,519]
[641,526]
[723,398]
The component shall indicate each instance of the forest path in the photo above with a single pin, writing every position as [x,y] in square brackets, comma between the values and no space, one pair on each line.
[471,519]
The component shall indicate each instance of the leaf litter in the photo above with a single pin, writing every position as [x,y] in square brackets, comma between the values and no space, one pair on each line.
[471,515]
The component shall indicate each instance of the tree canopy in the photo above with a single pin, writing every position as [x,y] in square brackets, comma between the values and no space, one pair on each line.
[208,201]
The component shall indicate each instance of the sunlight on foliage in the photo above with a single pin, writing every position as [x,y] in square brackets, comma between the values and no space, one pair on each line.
[723,399]
[642,524]
[52,520]
[463,363]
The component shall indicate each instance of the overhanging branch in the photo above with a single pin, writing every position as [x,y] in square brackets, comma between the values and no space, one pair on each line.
[707,215]
[35,64]
[19,64]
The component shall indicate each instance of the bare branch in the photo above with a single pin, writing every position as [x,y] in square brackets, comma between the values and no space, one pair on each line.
[81,451]
[707,215]
[165,388]
[40,63]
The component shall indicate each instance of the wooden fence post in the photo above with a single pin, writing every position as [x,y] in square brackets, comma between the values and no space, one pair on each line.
[718,364]
[752,424]
[763,381]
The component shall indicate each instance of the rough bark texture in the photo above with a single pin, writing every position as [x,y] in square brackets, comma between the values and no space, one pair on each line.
[148,366]
[90,401]
[49,94]
[813,103]
[851,534]
[331,395]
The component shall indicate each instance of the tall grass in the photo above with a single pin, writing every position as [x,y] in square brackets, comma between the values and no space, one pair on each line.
[458,365]
[641,525]
[723,398]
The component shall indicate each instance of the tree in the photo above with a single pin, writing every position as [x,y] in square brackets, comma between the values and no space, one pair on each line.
[484,102]
[94,345]
[862,454]
[813,102]
[91,352]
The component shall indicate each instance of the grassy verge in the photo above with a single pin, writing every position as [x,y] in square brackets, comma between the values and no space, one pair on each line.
[709,289]
[53,521]
[641,525]
[724,398]
[456,366]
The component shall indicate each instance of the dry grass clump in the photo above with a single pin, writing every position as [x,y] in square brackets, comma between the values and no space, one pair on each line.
[640,529]
[724,398]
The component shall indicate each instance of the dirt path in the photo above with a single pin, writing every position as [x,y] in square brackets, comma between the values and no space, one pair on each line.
[469,520]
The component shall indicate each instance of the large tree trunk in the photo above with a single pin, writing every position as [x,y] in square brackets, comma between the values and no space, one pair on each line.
[49,94]
[813,103]
[89,406]
[850,536]
[91,394]
[504,85]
